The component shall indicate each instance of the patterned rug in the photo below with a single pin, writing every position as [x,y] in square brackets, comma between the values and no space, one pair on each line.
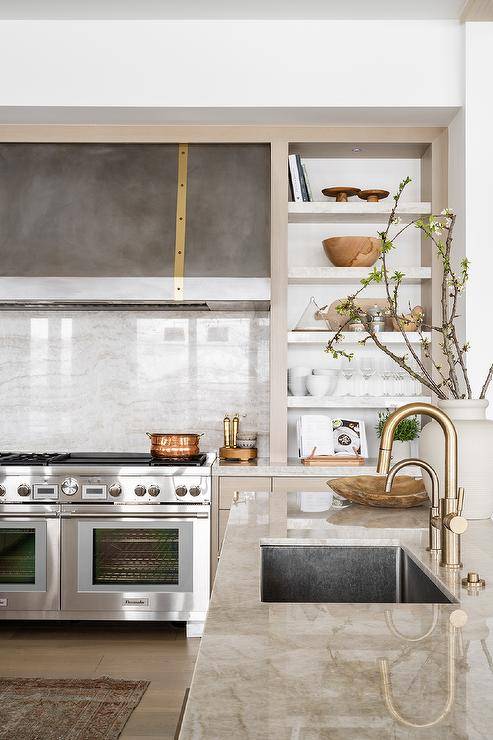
[68,709]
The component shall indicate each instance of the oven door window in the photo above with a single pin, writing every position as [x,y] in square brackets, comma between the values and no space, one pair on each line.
[135,556]
[22,556]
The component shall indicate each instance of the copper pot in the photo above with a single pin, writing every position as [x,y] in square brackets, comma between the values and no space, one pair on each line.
[174,445]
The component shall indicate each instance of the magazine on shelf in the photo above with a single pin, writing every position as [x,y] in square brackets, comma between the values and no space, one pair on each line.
[323,435]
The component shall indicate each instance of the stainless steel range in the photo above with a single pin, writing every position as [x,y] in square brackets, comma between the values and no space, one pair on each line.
[105,536]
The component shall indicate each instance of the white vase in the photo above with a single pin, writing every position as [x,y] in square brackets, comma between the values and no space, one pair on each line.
[475,461]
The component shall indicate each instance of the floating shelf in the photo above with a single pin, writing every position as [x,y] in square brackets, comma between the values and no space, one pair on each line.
[352,402]
[353,337]
[326,211]
[347,275]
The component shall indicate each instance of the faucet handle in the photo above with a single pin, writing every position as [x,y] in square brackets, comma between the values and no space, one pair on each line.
[460,500]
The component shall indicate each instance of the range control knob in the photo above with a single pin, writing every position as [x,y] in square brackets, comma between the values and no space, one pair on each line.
[2,491]
[181,491]
[24,489]
[70,487]
[140,490]
[195,491]
[154,490]
[115,490]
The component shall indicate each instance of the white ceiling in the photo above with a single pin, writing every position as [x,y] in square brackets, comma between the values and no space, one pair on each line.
[230,9]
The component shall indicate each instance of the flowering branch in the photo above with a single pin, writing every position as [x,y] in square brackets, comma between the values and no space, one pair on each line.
[448,383]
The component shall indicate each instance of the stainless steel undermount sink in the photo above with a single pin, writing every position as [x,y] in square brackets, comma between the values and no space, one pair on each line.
[379,574]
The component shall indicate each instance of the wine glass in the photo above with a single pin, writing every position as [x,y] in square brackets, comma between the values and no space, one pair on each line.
[387,368]
[347,369]
[367,370]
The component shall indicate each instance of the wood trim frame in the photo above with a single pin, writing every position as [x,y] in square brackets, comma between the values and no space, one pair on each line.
[279,139]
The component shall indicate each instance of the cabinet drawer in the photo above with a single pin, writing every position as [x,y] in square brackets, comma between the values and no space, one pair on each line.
[228,486]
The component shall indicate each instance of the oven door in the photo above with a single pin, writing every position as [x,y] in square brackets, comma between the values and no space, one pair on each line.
[148,559]
[29,558]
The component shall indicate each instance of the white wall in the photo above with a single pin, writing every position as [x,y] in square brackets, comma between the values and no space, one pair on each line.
[479,197]
[231,63]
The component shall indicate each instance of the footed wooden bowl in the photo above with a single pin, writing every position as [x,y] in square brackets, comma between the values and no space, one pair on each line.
[373,196]
[352,251]
[341,193]
[369,490]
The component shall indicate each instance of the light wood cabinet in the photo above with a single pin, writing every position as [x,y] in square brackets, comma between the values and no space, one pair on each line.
[224,492]
[301,483]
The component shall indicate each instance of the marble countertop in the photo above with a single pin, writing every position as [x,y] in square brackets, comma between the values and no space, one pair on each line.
[262,467]
[313,671]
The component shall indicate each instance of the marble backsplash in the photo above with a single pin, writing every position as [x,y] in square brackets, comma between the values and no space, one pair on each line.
[98,380]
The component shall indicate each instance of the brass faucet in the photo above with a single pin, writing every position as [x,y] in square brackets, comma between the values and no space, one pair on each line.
[435,523]
[452,523]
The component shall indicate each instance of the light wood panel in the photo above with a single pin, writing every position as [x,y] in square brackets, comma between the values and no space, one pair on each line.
[279,297]
[477,10]
[191,134]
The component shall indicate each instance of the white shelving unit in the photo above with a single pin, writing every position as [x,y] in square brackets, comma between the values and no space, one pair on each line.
[349,275]
[310,273]
[352,402]
[354,337]
[327,211]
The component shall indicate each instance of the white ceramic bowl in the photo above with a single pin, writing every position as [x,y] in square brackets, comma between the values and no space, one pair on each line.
[300,371]
[331,376]
[318,385]
[297,386]
[325,371]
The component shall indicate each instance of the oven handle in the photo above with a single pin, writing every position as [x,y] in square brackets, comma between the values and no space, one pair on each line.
[134,515]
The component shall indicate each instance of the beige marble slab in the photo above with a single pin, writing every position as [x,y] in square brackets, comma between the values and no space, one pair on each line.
[313,671]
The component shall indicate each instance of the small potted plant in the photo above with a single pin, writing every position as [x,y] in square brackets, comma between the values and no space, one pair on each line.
[406,432]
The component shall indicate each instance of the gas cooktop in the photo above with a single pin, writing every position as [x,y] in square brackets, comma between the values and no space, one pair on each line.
[98,458]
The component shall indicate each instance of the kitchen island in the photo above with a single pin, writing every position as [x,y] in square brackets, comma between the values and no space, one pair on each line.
[313,671]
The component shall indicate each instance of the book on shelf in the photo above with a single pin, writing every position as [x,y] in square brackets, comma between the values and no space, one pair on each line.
[298,180]
[323,435]
[307,182]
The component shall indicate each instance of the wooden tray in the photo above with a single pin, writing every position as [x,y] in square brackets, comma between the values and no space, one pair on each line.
[336,320]
[333,460]
[369,490]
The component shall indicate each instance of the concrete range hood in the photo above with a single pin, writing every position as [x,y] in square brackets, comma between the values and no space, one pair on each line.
[99,226]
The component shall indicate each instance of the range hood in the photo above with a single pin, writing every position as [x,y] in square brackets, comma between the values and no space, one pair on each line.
[138,226]
[110,293]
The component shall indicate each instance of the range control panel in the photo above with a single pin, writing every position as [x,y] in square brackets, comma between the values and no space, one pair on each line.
[126,489]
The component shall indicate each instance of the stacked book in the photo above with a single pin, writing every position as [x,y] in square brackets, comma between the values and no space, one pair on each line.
[298,180]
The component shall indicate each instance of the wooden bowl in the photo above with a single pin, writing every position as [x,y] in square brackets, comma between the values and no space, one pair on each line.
[373,196]
[340,193]
[369,490]
[352,251]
